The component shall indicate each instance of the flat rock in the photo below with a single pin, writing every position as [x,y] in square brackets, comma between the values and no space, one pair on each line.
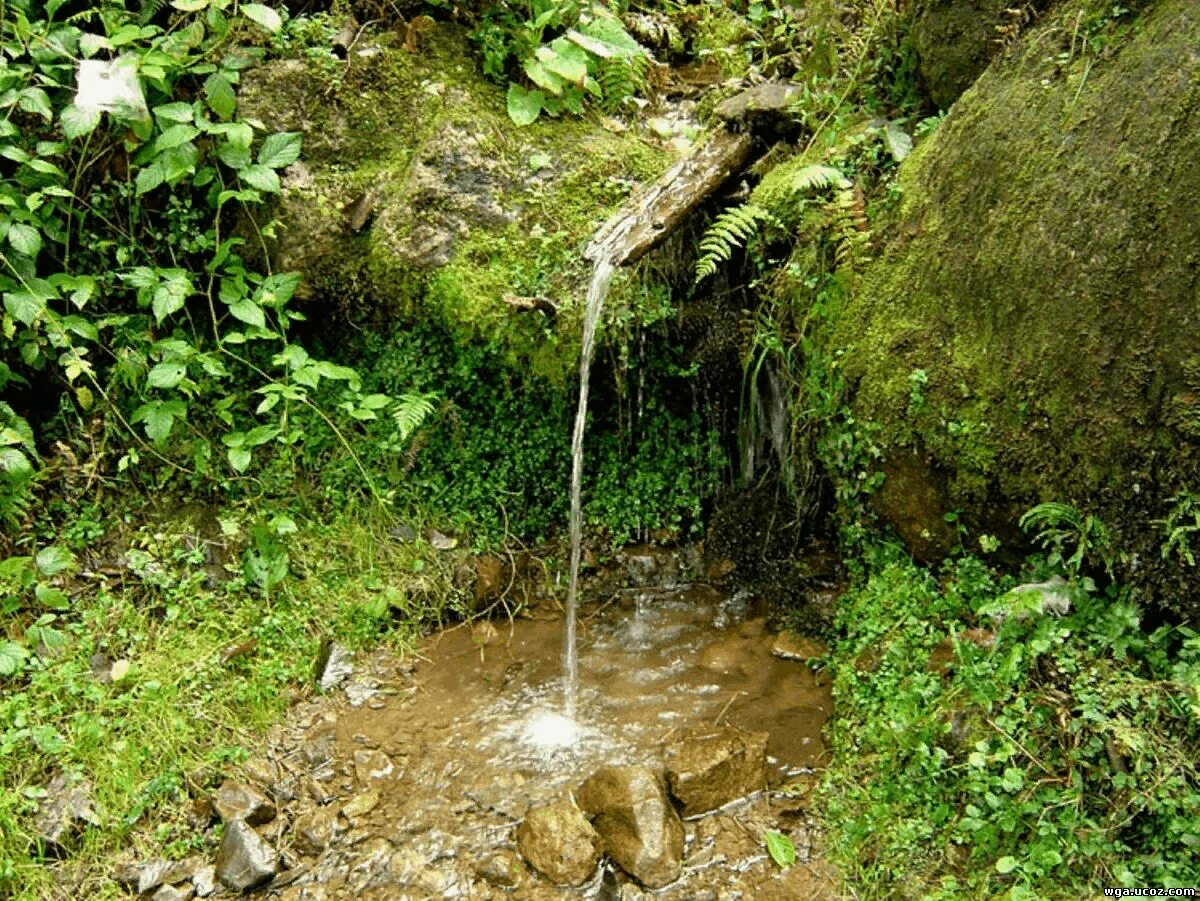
[183,892]
[768,98]
[558,841]
[244,860]
[638,826]
[317,829]
[361,804]
[64,812]
[709,767]
[239,801]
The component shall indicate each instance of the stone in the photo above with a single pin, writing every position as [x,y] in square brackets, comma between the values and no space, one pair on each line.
[790,646]
[239,801]
[361,804]
[64,812]
[557,840]
[492,577]
[317,746]
[204,881]
[439,541]
[771,98]
[371,766]
[955,40]
[317,829]
[710,767]
[335,664]
[638,826]
[502,869]
[244,860]
[183,892]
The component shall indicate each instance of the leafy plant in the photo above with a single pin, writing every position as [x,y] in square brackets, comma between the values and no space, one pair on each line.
[731,229]
[1180,526]
[1070,536]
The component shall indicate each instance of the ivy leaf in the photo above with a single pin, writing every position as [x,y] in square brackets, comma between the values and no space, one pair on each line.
[77,122]
[279,150]
[54,559]
[248,312]
[12,657]
[25,239]
[166,375]
[524,106]
[781,849]
[219,93]
[263,15]
[260,177]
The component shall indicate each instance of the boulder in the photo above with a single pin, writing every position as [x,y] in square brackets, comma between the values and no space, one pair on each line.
[239,801]
[244,860]
[1028,330]
[557,840]
[709,767]
[637,824]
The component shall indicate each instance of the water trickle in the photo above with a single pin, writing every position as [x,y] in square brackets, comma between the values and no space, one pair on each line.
[597,291]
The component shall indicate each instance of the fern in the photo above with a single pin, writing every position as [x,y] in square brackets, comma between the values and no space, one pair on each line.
[410,413]
[733,228]
[620,80]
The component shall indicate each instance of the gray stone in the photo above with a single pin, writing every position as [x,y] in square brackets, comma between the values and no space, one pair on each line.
[317,746]
[204,881]
[183,892]
[372,766]
[771,98]
[317,829]
[244,860]
[638,826]
[238,801]
[64,812]
[708,768]
[335,663]
[558,841]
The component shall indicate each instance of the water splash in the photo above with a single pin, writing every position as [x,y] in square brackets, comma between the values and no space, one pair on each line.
[597,291]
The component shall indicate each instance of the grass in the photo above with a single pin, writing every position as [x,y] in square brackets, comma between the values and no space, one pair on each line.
[184,712]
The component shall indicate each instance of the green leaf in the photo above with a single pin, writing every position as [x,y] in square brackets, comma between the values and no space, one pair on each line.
[171,294]
[263,15]
[25,239]
[52,598]
[781,849]
[175,136]
[12,657]
[150,177]
[78,122]
[219,93]
[166,375]
[1006,865]
[898,142]
[234,156]
[159,417]
[36,101]
[260,177]
[248,312]
[565,60]
[239,458]
[541,76]
[279,150]
[175,112]
[524,106]
[54,559]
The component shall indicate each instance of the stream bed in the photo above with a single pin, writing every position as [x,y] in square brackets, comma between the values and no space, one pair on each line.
[411,781]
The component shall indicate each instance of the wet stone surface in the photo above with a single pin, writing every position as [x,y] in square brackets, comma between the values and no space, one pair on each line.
[422,793]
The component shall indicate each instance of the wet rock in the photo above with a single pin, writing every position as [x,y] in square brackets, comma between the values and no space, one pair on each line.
[239,801]
[708,768]
[204,881]
[244,860]
[956,39]
[649,566]
[64,812]
[261,772]
[790,646]
[502,869]
[638,826]
[335,663]
[557,840]
[317,829]
[371,766]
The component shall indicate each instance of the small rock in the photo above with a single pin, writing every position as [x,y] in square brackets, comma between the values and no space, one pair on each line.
[153,874]
[361,805]
[708,768]
[370,766]
[402,533]
[317,746]
[502,869]
[64,812]
[317,829]
[558,841]
[790,646]
[244,860]
[204,881]
[770,97]
[440,542]
[638,825]
[239,801]
[262,772]
[184,892]
[335,663]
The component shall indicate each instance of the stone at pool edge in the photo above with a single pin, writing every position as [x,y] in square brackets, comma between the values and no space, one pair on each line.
[711,766]
[637,822]
[557,840]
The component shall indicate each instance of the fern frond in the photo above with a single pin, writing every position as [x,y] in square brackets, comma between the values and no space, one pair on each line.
[852,231]
[411,412]
[621,79]
[733,228]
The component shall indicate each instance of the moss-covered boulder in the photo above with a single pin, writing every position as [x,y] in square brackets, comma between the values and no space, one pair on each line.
[955,40]
[1031,330]
[416,194]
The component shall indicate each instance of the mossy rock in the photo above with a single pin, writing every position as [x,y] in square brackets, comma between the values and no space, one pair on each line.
[955,40]
[416,195]
[1043,271]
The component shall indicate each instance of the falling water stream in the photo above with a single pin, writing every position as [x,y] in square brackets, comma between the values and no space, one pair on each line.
[598,289]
